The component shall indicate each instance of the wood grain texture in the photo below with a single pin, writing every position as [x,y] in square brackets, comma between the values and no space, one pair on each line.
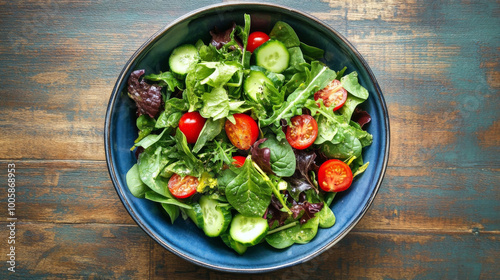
[435,216]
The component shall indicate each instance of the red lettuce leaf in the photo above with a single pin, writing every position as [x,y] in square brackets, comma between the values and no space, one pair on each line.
[360,116]
[220,38]
[262,156]
[147,97]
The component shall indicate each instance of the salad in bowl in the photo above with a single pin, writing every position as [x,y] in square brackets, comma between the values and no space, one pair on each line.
[249,136]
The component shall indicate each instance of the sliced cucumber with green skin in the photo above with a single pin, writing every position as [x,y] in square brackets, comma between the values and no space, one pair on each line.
[272,55]
[248,230]
[216,219]
[231,243]
[255,85]
[195,214]
[183,58]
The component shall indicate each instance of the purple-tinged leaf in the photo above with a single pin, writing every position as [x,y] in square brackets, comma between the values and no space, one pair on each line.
[262,156]
[147,97]
[360,116]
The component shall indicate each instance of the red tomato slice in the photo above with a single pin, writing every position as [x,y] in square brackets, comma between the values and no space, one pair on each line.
[239,161]
[333,95]
[182,187]
[244,133]
[191,124]
[302,131]
[255,39]
[334,176]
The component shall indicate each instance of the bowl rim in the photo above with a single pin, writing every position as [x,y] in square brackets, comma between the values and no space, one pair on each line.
[155,37]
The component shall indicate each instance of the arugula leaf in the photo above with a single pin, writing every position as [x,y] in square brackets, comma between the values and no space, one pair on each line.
[166,79]
[192,165]
[215,104]
[247,192]
[318,78]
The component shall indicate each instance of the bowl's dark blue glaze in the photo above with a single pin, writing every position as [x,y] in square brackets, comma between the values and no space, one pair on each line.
[182,237]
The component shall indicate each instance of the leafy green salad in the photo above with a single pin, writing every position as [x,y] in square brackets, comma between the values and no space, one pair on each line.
[250,136]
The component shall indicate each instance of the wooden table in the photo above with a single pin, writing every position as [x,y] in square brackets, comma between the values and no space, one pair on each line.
[436,215]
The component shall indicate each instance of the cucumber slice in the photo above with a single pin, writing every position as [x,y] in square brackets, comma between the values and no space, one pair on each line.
[195,214]
[183,58]
[272,55]
[248,230]
[231,243]
[216,219]
[255,85]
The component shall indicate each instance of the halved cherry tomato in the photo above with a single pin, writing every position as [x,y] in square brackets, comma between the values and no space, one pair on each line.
[333,95]
[334,176]
[239,161]
[255,39]
[302,131]
[191,124]
[244,133]
[182,187]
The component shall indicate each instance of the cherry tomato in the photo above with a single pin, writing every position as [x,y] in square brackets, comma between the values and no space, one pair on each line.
[191,124]
[244,133]
[182,187]
[255,39]
[239,161]
[302,131]
[333,95]
[334,176]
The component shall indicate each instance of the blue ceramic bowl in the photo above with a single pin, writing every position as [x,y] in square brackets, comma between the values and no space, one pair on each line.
[183,238]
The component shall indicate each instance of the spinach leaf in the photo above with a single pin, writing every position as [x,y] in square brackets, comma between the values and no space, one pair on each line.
[210,130]
[282,156]
[349,106]
[145,124]
[297,62]
[350,146]
[150,163]
[134,182]
[283,238]
[153,196]
[172,211]
[311,53]
[247,192]
[151,139]
[351,84]
[326,217]
[283,32]
[307,231]
[168,120]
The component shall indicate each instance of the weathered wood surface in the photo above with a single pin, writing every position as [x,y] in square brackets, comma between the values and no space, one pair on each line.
[436,214]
